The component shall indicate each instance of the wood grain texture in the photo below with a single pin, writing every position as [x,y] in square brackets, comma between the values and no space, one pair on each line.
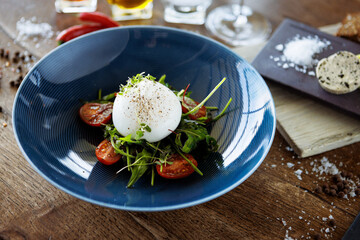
[272,204]
[312,127]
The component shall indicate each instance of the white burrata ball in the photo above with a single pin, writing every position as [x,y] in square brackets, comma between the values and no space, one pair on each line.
[150,103]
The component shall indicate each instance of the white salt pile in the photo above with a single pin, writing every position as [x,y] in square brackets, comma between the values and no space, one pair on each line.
[30,29]
[301,50]
[325,167]
[300,53]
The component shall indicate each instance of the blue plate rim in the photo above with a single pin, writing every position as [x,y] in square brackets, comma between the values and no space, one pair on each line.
[144,209]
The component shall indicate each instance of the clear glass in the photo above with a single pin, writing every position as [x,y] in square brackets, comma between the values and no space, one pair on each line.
[237,24]
[131,9]
[74,6]
[186,11]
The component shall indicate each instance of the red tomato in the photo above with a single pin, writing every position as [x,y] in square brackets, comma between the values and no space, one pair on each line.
[106,154]
[179,168]
[96,114]
[190,104]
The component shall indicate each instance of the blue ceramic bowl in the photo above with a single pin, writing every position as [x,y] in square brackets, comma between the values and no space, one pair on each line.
[60,147]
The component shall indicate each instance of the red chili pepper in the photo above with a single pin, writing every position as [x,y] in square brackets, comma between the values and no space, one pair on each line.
[76,31]
[98,17]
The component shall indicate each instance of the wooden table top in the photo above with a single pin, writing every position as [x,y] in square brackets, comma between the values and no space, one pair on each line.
[274,203]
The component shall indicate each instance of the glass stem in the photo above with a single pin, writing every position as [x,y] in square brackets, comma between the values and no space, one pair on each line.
[241,4]
[241,18]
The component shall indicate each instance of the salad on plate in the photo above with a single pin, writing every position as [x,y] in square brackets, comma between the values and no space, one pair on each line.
[153,128]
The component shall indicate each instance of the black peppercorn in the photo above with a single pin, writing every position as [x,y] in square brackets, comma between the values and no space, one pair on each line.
[341,194]
[332,222]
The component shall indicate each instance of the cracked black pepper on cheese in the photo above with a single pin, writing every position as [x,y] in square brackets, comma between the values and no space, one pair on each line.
[339,73]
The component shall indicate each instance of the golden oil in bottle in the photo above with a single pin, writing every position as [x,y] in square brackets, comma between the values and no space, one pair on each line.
[130,4]
[131,9]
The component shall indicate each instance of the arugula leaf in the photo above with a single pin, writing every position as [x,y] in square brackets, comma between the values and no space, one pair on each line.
[139,134]
[117,141]
[140,166]
[147,128]
[194,134]
[162,79]
[109,97]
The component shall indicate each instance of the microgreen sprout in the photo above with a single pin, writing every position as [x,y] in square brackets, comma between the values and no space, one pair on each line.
[211,108]
[140,133]
[99,94]
[104,99]
[163,161]
[190,162]
[195,109]
[162,79]
[137,162]
[222,113]
[133,81]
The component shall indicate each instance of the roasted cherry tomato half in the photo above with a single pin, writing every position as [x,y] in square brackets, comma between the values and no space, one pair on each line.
[189,103]
[179,168]
[106,154]
[96,114]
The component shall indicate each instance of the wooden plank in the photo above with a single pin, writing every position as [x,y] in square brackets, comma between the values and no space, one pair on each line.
[309,126]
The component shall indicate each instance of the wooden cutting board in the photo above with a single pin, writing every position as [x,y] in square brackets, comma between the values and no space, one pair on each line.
[309,126]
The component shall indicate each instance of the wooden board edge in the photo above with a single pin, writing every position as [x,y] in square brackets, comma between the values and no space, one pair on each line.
[328,147]
[288,139]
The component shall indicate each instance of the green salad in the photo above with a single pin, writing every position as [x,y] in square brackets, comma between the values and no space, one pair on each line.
[151,128]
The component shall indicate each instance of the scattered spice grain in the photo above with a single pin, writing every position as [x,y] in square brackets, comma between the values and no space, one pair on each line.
[318,189]
[357,191]
[341,194]
[7,54]
[317,236]
[17,84]
[20,62]
[342,184]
